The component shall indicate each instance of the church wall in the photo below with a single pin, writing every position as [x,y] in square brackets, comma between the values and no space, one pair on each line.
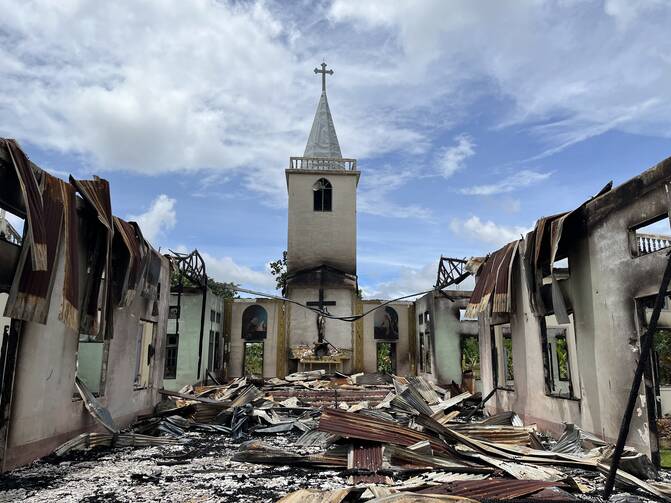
[318,238]
[442,334]
[303,322]
[403,309]
[237,345]
[189,336]
[46,411]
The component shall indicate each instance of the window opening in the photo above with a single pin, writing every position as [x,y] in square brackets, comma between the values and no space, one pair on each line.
[323,195]
[557,353]
[253,359]
[421,351]
[386,357]
[650,236]
[470,355]
[502,356]
[171,351]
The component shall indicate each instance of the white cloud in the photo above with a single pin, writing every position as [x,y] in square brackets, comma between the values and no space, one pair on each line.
[159,218]
[486,231]
[581,68]
[225,269]
[375,194]
[168,86]
[15,222]
[410,281]
[171,86]
[452,159]
[521,179]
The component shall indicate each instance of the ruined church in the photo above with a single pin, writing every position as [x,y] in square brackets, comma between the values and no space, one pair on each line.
[272,338]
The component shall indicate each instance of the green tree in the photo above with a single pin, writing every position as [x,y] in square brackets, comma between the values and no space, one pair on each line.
[278,269]
[384,364]
[225,290]
[663,350]
[470,355]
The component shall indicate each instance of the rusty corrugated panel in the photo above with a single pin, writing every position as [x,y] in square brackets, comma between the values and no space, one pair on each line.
[494,281]
[367,457]
[366,428]
[500,434]
[502,489]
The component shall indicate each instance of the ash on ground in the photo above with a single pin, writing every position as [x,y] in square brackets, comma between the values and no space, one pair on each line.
[200,470]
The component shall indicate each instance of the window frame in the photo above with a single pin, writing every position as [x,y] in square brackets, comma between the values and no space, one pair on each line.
[322,197]
[244,355]
[169,348]
[548,354]
[634,249]
[392,354]
[137,375]
[498,356]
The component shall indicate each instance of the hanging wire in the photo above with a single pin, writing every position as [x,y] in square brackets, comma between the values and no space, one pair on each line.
[326,314]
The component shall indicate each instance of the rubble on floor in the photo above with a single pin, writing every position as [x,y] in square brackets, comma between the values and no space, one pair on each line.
[309,437]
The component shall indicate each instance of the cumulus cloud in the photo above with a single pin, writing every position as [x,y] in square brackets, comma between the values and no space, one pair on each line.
[487,231]
[452,159]
[571,70]
[170,86]
[376,194]
[226,269]
[410,280]
[159,218]
[521,179]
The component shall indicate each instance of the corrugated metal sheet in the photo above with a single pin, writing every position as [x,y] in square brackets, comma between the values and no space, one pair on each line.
[366,428]
[500,434]
[366,457]
[491,489]
[424,388]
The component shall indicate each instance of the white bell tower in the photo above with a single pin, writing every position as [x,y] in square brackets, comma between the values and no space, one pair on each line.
[321,248]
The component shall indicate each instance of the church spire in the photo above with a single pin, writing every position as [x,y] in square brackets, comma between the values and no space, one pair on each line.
[323,141]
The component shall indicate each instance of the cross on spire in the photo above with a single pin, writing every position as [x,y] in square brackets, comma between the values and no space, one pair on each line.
[323,71]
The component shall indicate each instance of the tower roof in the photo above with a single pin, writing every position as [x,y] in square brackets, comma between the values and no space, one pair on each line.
[323,141]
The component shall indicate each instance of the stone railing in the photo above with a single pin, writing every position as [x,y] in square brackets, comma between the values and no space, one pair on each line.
[648,243]
[322,163]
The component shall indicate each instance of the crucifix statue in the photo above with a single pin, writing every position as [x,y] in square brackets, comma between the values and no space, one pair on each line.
[321,347]
[323,71]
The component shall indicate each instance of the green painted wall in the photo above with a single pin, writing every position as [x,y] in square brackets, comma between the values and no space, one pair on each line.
[189,335]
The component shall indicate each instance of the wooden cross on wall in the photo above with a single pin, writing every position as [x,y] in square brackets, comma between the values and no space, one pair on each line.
[321,302]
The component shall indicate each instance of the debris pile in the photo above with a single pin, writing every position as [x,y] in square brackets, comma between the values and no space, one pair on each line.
[387,436]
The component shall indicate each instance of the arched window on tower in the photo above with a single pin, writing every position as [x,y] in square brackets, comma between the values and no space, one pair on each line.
[323,195]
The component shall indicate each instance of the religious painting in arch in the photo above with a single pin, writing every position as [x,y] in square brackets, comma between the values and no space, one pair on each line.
[254,323]
[386,323]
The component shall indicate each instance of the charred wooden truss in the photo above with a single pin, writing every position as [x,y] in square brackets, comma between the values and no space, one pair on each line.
[451,271]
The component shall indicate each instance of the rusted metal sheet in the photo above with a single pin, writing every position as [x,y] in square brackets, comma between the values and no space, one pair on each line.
[491,489]
[500,434]
[366,457]
[366,428]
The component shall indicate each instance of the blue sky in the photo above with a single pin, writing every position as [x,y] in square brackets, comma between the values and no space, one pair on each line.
[469,119]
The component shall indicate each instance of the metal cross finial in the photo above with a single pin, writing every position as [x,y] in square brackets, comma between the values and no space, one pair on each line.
[323,71]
